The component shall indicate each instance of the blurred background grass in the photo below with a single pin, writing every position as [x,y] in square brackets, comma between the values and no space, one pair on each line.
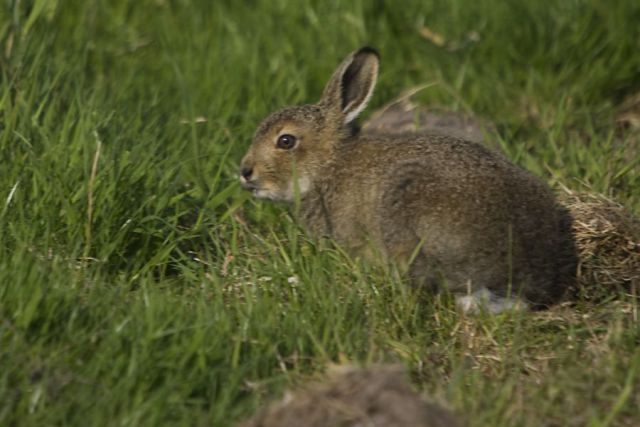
[141,287]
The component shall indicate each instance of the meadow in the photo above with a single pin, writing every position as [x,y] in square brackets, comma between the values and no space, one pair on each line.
[140,286]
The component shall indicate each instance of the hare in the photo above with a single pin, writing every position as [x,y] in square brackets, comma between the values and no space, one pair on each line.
[451,213]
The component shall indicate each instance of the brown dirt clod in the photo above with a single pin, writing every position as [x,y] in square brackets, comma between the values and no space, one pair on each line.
[378,396]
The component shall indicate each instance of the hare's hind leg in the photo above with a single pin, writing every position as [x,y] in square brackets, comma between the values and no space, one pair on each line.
[426,273]
[483,299]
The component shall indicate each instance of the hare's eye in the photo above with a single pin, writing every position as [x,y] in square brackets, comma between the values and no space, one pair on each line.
[286,141]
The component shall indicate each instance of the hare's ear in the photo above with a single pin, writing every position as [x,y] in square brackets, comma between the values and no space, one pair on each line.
[351,85]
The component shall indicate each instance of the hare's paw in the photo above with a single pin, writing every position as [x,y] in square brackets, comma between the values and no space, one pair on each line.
[484,300]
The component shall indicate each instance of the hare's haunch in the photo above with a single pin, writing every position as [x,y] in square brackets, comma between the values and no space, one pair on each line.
[452,212]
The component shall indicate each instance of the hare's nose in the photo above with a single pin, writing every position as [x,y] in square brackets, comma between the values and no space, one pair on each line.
[246,173]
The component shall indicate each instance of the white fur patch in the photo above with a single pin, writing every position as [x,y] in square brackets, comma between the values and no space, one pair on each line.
[304,185]
[484,299]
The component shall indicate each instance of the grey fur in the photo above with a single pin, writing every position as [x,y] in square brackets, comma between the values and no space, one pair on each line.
[473,219]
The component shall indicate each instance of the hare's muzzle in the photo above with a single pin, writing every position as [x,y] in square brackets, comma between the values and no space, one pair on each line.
[247,177]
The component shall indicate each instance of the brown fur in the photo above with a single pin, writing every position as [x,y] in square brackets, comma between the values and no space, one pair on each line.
[472,219]
[377,397]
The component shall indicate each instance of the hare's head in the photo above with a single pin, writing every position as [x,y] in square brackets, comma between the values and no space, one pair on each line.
[292,146]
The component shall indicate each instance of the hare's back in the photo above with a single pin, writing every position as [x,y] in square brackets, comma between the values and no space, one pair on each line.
[439,163]
[451,189]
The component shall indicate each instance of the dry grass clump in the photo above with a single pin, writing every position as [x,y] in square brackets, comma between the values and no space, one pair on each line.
[379,396]
[608,242]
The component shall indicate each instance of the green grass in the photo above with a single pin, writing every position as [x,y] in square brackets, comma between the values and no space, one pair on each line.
[140,286]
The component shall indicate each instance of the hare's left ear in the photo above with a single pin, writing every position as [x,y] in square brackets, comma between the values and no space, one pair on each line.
[351,85]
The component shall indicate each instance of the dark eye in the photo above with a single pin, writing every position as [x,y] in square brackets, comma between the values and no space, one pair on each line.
[286,141]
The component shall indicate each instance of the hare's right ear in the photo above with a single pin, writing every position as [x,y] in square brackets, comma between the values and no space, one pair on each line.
[351,85]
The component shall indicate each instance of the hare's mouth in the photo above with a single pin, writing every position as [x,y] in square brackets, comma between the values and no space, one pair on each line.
[257,191]
[263,190]
[248,185]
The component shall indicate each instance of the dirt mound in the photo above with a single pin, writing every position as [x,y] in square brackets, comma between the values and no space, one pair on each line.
[379,396]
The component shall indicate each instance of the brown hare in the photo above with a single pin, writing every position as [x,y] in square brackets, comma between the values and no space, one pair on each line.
[451,213]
